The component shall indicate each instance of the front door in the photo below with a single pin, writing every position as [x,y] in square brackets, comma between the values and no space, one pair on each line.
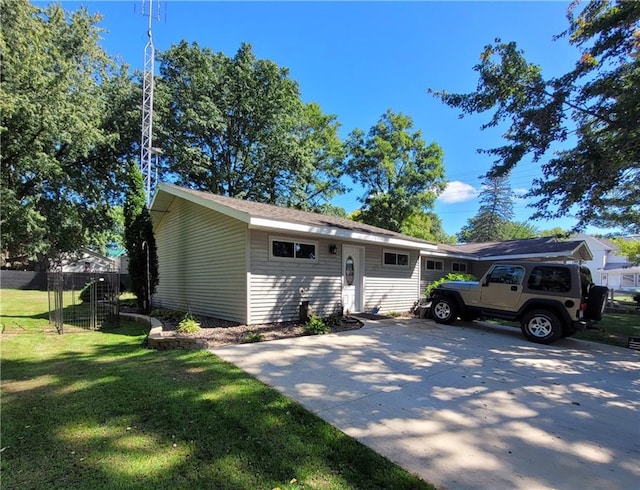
[352,278]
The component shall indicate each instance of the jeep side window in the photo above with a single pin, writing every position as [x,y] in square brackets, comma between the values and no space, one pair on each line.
[506,274]
[550,278]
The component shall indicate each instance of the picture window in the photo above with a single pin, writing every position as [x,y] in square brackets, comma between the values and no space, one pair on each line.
[628,280]
[396,258]
[283,249]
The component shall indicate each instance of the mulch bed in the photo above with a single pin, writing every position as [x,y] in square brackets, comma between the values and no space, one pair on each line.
[219,332]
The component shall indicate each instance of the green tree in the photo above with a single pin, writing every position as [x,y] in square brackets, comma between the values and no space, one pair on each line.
[596,105]
[401,174]
[60,174]
[496,210]
[140,241]
[520,230]
[556,231]
[630,248]
[319,166]
[426,226]
[237,127]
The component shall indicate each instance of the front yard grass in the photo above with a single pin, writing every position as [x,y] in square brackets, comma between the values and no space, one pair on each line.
[95,409]
[615,329]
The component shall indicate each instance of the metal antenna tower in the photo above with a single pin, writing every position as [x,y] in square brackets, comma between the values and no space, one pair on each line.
[146,147]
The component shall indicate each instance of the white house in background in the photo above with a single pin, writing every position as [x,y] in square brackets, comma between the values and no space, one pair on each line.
[88,261]
[607,267]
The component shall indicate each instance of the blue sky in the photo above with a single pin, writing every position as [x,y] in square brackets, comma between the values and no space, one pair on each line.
[358,59]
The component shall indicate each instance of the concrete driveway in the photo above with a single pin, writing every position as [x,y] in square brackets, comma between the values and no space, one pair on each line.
[468,406]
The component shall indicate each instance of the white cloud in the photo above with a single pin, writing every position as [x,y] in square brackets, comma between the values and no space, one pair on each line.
[519,193]
[457,191]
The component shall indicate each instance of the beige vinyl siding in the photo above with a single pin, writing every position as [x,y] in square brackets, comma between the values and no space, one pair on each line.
[429,276]
[202,262]
[391,288]
[275,284]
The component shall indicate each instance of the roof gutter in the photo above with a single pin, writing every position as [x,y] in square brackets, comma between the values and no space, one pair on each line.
[569,255]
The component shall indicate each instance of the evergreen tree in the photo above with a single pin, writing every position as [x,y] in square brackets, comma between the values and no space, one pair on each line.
[140,241]
[496,211]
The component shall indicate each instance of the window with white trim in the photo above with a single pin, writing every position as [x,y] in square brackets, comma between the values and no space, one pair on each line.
[628,280]
[283,249]
[395,258]
[459,267]
[434,265]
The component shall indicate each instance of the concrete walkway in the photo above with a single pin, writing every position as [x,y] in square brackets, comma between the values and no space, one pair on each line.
[468,407]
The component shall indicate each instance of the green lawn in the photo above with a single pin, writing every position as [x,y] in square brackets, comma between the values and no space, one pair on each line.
[94,409]
[616,329]
[613,329]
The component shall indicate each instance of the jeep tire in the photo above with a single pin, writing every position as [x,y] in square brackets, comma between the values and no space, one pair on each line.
[596,303]
[444,310]
[541,327]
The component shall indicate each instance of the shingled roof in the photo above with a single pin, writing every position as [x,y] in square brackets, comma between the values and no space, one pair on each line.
[545,247]
[269,216]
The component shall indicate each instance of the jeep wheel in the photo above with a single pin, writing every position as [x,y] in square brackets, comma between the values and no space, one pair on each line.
[596,303]
[542,327]
[444,310]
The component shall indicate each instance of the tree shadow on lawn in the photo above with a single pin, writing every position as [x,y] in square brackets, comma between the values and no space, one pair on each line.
[107,413]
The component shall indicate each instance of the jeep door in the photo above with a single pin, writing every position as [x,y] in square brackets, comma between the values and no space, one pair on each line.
[502,287]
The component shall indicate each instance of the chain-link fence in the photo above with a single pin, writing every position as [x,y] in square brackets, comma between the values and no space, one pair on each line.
[84,300]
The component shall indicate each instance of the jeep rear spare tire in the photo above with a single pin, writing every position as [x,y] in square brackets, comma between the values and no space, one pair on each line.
[596,303]
[541,326]
[444,310]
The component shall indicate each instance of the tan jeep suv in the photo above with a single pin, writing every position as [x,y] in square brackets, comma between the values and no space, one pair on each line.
[549,300]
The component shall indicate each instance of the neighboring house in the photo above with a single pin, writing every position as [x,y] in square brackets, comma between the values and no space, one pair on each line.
[608,268]
[87,261]
[256,263]
[476,258]
[120,257]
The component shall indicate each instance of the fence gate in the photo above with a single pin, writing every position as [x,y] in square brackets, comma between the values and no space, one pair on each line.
[83,300]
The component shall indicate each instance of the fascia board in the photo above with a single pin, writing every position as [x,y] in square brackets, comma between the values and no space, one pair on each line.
[214,206]
[448,255]
[622,270]
[268,224]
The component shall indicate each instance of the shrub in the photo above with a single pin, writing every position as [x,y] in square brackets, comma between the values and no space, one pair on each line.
[333,321]
[168,315]
[251,337]
[452,276]
[188,324]
[636,298]
[316,326]
[103,291]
